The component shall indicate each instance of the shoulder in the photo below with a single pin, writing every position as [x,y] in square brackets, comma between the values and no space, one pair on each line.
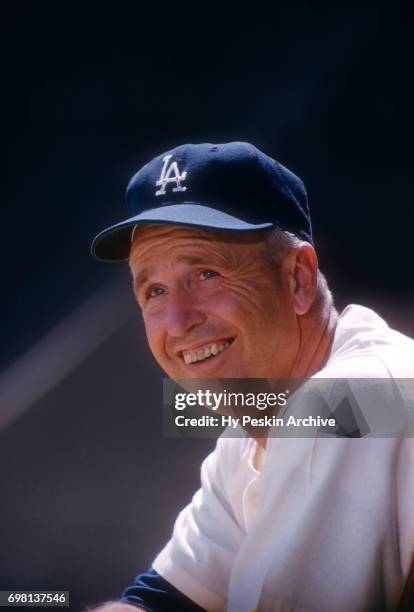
[365,346]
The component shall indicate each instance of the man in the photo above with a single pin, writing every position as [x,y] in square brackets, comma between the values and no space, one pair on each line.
[219,243]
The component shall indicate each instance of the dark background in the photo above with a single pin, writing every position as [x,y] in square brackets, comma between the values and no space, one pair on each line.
[90,488]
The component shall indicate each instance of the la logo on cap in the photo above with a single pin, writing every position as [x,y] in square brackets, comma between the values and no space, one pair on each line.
[170,174]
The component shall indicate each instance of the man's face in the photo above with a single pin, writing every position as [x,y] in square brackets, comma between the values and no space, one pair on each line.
[212,306]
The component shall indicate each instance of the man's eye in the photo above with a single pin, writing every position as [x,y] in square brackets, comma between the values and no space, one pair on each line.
[208,274]
[155,292]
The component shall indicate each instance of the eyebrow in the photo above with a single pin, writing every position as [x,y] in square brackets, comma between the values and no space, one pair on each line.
[192,260]
[141,279]
[143,276]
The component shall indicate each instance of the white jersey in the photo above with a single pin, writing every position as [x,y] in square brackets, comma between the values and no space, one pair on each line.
[325,524]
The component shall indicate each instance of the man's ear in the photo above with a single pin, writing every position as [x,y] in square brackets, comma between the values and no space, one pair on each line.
[303,268]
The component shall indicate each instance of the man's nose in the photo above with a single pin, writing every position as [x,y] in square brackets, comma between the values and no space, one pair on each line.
[184,312]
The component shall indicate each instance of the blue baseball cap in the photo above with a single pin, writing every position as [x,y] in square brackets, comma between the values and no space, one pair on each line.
[233,187]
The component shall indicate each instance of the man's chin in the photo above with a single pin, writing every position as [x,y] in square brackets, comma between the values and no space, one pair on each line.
[211,375]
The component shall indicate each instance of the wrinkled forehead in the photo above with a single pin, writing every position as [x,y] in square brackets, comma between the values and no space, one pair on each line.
[148,238]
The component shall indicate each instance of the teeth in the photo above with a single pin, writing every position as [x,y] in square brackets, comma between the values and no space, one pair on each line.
[204,353]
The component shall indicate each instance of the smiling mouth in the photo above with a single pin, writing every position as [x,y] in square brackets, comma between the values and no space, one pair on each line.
[208,351]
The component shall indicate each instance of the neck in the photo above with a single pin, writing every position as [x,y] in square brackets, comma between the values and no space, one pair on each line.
[315,341]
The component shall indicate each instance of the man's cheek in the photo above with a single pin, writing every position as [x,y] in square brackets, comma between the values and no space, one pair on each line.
[154,336]
[229,307]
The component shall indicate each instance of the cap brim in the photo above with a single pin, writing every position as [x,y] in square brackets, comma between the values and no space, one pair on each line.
[114,243]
